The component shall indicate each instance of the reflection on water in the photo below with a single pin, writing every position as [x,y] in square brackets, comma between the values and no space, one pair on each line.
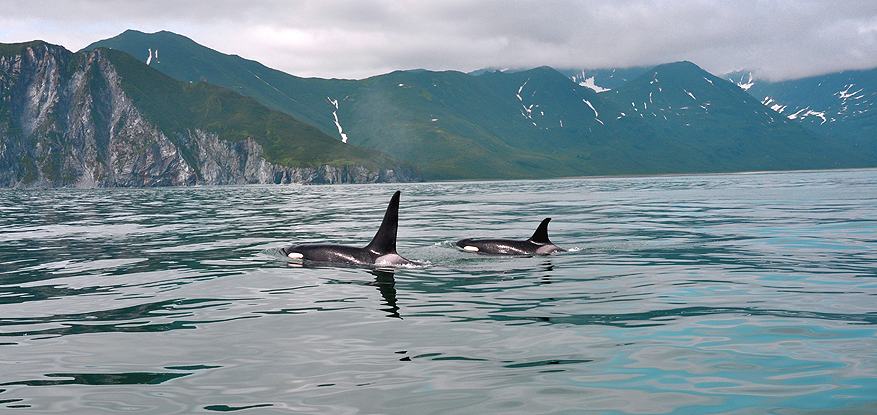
[681,294]
[100,379]
[386,282]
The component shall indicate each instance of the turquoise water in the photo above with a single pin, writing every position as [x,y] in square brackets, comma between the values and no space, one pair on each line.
[714,294]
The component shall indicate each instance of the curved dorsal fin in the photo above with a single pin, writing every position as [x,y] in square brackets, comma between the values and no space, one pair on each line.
[384,241]
[541,234]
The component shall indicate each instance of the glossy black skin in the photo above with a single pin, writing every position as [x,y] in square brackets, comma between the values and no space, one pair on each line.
[508,247]
[381,251]
[344,254]
[538,244]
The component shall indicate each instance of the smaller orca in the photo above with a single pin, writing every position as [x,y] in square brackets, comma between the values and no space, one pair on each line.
[538,244]
[381,251]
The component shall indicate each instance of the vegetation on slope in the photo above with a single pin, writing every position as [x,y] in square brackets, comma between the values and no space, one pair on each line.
[176,106]
[527,124]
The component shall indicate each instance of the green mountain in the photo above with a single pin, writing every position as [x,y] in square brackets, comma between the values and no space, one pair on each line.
[841,106]
[101,118]
[602,80]
[537,123]
[176,106]
[450,124]
[525,124]
[307,100]
[443,122]
[726,128]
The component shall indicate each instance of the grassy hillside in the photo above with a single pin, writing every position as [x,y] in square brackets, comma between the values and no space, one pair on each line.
[446,122]
[842,106]
[178,56]
[175,106]
[727,129]
[674,118]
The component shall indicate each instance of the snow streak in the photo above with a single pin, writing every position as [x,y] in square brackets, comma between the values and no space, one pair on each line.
[748,84]
[590,83]
[596,114]
[149,59]
[529,110]
[334,102]
[807,112]
[689,94]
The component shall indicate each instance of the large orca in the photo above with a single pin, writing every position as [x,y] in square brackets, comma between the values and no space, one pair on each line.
[538,244]
[381,251]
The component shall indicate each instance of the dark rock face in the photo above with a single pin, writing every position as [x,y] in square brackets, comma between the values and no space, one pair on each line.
[65,121]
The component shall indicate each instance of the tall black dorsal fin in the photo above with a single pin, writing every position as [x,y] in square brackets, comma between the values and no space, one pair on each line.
[384,241]
[541,234]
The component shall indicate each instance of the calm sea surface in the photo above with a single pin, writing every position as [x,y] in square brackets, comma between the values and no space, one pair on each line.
[714,294]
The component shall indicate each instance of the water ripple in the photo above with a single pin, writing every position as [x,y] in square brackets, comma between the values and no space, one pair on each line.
[679,294]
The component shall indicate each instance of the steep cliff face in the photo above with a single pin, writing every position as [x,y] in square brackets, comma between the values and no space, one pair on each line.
[66,121]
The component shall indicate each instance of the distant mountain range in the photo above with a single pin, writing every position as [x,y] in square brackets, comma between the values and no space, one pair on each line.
[673,118]
[841,106]
[537,123]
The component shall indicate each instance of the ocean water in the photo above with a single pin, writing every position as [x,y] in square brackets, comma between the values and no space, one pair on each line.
[700,294]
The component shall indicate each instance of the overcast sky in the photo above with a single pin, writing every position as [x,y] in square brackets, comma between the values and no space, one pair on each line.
[778,39]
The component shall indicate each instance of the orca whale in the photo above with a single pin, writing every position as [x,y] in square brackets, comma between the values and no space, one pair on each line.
[381,251]
[538,244]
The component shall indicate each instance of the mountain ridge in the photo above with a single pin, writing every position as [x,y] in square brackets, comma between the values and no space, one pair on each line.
[101,118]
[526,123]
[694,104]
[516,124]
[842,105]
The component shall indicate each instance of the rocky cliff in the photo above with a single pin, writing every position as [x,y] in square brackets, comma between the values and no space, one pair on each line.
[67,121]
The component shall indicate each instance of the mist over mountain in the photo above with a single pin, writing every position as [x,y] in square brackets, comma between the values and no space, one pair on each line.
[841,106]
[493,124]
[602,80]
[525,123]
[729,128]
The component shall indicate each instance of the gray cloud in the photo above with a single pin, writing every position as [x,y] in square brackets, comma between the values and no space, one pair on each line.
[777,39]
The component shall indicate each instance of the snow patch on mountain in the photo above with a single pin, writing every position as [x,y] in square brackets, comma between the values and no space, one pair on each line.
[770,103]
[596,114]
[800,114]
[846,93]
[590,83]
[334,103]
[527,111]
[746,85]
[151,56]
[806,112]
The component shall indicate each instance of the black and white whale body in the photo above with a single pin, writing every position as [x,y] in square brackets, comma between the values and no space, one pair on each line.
[538,244]
[381,251]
